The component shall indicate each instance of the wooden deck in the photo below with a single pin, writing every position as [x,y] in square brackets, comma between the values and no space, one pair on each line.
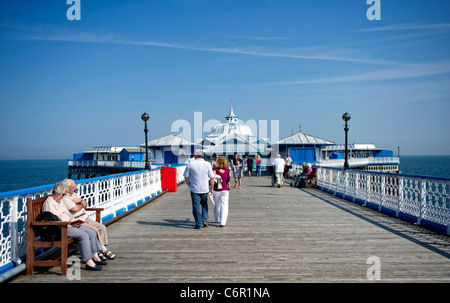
[272,235]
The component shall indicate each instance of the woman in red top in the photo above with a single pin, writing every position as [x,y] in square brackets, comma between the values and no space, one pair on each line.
[258,166]
[221,195]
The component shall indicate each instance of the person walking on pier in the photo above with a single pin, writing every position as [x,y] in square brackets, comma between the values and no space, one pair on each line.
[287,167]
[258,166]
[221,196]
[279,165]
[250,165]
[236,165]
[197,174]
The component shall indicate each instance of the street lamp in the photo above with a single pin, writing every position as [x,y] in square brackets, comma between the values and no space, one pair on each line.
[145,118]
[346,117]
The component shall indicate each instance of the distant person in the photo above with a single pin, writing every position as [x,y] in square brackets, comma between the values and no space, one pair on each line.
[250,165]
[279,165]
[306,175]
[236,165]
[221,196]
[244,166]
[76,206]
[258,166]
[85,237]
[287,167]
[200,179]
[214,162]
[307,172]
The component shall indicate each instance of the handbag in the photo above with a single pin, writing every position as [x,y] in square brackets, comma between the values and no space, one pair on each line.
[217,182]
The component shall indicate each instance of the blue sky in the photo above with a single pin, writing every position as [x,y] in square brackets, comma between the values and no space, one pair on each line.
[66,86]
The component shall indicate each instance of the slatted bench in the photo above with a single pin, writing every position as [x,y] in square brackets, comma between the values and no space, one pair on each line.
[34,208]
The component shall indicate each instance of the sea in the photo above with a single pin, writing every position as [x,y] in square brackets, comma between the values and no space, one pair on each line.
[21,174]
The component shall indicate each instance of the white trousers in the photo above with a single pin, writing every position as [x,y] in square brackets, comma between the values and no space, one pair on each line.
[221,207]
[279,179]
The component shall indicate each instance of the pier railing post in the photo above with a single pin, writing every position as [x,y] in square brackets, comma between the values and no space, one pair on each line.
[383,193]
[422,200]
[400,194]
[13,225]
[368,178]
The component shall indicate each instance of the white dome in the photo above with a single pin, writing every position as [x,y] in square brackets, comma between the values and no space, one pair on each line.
[224,129]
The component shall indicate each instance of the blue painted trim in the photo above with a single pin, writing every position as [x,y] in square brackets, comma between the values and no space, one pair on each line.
[360,201]
[130,206]
[120,211]
[389,211]
[6,267]
[25,191]
[439,228]
[407,217]
[107,218]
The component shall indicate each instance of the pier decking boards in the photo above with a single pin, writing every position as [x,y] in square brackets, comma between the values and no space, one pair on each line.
[272,235]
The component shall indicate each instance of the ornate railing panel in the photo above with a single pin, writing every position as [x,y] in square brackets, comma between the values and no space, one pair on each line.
[419,199]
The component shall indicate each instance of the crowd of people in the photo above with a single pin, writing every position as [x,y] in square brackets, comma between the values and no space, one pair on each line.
[205,180]
[213,180]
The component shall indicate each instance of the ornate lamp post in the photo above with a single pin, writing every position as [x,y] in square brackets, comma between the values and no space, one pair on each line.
[145,118]
[346,117]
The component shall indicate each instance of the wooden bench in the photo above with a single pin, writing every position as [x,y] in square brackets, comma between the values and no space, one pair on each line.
[34,208]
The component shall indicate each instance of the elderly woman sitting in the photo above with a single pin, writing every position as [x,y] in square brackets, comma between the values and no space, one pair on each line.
[307,171]
[85,237]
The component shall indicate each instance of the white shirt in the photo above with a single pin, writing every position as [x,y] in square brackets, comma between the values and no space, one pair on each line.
[279,165]
[288,161]
[67,200]
[199,173]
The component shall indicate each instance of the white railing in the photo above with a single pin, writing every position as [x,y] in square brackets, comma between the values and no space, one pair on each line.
[115,193]
[359,161]
[105,163]
[418,199]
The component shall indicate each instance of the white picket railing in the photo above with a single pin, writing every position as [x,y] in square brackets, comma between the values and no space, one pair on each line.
[359,161]
[421,200]
[115,193]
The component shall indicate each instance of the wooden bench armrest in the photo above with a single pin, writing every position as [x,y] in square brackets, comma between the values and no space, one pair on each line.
[46,223]
[97,213]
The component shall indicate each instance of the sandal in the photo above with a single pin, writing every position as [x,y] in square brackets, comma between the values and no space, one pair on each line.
[101,256]
[110,255]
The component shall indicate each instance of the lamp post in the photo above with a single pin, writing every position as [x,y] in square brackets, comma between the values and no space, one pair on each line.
[145,118]
[346,117]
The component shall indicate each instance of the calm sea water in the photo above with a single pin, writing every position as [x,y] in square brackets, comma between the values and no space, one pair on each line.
[435,166]
[20,174]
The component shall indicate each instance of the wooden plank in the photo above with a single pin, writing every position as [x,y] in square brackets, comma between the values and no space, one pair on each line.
[272,235]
